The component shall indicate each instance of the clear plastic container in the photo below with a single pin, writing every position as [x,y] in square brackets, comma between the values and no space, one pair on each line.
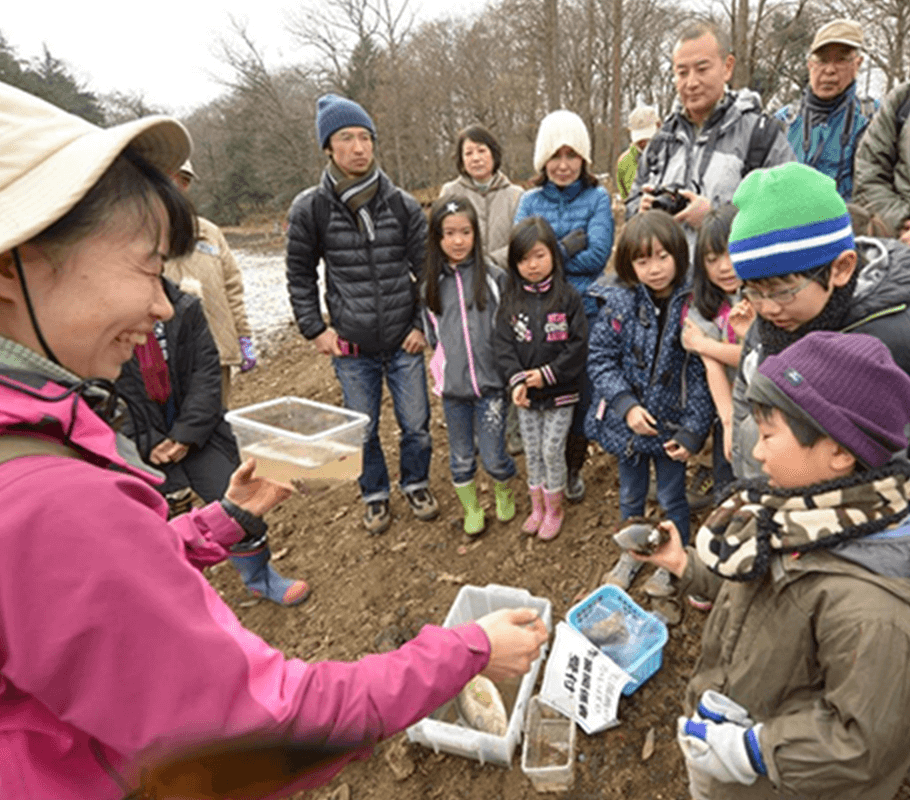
[312,446]
[443,730]
[548,750]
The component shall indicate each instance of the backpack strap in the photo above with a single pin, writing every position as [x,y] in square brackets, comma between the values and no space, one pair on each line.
[396,204]
[16,446]
[764,132]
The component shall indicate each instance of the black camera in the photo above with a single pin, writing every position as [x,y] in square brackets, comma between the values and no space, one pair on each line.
[669,199]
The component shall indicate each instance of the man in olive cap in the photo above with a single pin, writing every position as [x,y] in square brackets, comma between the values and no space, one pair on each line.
[824,129]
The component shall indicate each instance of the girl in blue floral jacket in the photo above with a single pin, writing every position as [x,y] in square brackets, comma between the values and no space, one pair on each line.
[650,399]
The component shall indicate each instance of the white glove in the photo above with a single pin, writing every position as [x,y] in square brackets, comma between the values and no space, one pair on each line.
[724,751]
[715,707]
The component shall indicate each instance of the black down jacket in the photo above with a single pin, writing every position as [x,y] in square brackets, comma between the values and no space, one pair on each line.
[371,286]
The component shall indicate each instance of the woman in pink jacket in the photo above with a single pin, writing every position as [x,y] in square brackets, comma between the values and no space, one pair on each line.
[114,649]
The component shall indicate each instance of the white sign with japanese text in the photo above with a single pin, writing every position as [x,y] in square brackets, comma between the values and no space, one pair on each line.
[581,682]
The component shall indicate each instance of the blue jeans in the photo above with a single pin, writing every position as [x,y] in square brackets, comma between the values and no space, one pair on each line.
[485,418]
[361,385]
[671,489]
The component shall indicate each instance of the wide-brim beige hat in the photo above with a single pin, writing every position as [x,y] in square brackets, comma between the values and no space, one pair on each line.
[49,159]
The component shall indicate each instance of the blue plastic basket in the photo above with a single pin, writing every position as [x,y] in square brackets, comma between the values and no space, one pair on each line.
[643,653]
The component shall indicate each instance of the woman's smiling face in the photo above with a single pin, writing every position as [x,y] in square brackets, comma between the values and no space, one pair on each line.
[102,295]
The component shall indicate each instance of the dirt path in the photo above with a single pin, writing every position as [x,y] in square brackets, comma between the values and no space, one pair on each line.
[372,593]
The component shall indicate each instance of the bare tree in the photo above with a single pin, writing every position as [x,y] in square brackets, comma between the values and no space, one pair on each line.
[886,25]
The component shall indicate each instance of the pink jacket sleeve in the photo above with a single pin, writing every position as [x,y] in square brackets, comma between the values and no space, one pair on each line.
[207,533]
[106,623]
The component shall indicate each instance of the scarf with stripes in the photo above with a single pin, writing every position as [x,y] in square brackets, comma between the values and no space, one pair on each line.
[356,194]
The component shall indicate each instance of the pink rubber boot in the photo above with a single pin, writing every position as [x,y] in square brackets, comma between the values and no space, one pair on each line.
[552,517]
[532,523]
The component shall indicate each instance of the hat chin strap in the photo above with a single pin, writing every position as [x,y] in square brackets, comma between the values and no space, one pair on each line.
[31,310]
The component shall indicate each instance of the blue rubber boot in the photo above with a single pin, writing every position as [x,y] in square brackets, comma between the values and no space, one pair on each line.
[262,580]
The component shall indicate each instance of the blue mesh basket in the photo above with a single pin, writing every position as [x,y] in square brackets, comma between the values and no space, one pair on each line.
[642,654]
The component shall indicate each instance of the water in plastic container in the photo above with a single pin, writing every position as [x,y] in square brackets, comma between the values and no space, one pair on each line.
[321,467]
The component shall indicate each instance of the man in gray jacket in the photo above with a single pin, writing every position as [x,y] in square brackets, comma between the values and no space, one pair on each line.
[711,139]
[372,237]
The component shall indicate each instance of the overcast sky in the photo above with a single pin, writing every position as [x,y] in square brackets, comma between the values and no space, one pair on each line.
[164,49]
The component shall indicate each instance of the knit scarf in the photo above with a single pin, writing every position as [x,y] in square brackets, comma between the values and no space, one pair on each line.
[356,193]
[755,521]
[833,317]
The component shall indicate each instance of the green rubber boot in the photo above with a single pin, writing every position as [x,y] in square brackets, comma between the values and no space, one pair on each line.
[473,513]
[505,502]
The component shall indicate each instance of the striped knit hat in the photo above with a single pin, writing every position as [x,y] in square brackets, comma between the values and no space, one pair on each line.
[791,219]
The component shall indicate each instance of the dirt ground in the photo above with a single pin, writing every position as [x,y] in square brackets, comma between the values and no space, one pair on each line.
[371,593]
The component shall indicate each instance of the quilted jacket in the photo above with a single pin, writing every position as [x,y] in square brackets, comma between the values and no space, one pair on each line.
[628,365]
[371,286]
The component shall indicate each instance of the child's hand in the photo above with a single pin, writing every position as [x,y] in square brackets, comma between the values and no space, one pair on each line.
[520,396]
[692,337]
[742,315]
[414,342]
[640,421]
[676,451]
[728,440]
[534,379]
[671,555]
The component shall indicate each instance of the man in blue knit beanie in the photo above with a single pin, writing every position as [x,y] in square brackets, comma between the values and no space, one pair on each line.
[371,236]
[803,270]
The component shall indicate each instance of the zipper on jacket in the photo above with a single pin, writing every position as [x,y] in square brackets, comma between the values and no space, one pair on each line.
[463,310]
[377,292]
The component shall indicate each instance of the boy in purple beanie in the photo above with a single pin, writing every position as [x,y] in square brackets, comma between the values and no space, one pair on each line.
[803,684]
[802,269]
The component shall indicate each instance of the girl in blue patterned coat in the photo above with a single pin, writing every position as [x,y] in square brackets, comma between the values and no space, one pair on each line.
[568,196]
[650,399]
[541,344]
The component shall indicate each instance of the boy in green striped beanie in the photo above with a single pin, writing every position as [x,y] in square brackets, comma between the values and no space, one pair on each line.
[803,270]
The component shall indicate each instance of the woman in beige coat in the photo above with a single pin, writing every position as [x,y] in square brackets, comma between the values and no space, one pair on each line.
[478,157]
